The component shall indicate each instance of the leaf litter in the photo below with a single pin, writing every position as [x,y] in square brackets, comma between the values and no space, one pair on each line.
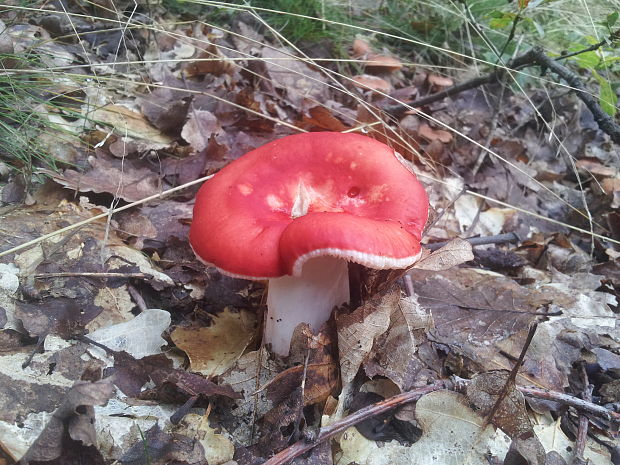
[113,336]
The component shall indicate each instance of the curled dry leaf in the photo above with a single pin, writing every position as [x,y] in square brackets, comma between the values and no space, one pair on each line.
[358,330]
[454,253]
[212,350]
[199,128]
[322,118]
[74,416]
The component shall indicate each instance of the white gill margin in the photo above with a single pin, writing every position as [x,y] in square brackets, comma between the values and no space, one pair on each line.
[377,262]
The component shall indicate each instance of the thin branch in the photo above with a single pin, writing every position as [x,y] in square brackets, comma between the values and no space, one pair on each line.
[572,401]
[582,430]
[535,56]
[510,382]
[511,35]
[78,274]
[328,432]
[484,240]
[605,122]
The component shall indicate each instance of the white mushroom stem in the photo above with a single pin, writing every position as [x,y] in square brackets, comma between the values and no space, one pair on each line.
[310,298]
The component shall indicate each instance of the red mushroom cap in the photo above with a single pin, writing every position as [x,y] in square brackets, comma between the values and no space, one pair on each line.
[308,195]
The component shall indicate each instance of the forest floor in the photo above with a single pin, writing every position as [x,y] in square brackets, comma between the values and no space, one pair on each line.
[118,346]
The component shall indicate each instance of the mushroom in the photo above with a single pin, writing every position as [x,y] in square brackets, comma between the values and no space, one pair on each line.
[295,210]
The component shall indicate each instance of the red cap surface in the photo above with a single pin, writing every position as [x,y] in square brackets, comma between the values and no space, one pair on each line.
[307,195]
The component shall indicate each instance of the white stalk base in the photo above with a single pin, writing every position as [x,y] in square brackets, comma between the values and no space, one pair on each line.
[324,284]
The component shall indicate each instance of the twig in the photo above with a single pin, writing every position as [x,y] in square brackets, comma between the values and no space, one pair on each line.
[591,48]
[177,416]
[399,110]
[510,382]
[511,35]
[484,240]
[91,275]
[572,401]
[137,298]
[582,430]
[408,285]
[37,347]
[605,122]
[482,153]
[328,432]
[535,56]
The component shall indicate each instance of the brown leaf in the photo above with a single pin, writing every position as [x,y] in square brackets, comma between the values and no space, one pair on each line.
[166,108]
[454,253]
[132,374]
[63,316]
[358,330]
[394,354]
[321,371]
[480,315]
[510,416]
[78,403]
[434,134]
[159,448]
[208,61]
[212,350]
[199,128]
[128,180]
[322,119]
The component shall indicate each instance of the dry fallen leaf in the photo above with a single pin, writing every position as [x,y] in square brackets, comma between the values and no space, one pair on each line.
[394,354]
[74,416]
[358,330]
[453,434]
[212,350]
[130,123]
[127,179]
[511,415]
[139,337]
[199,128]
[454,253]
